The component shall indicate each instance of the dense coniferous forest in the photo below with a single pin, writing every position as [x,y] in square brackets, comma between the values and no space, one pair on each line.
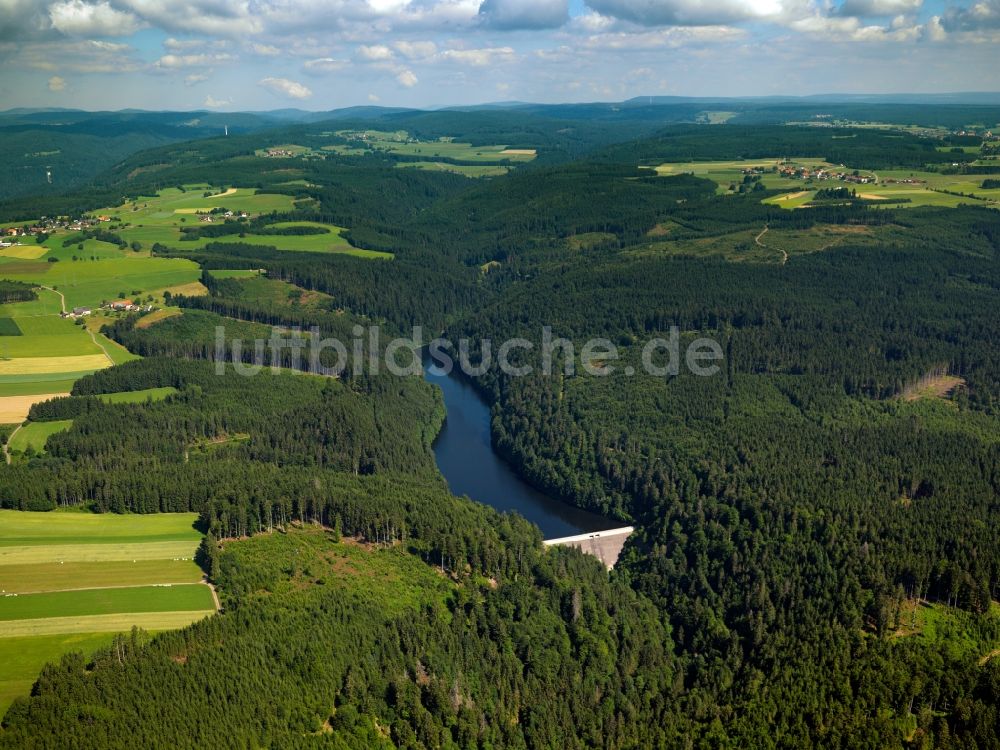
[793,511]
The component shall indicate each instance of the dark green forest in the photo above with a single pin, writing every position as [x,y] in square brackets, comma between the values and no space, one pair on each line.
[791,511]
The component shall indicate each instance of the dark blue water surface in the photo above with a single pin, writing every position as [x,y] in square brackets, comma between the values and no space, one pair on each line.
[466,458]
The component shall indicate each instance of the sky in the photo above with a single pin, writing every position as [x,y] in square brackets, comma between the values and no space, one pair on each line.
[232,55]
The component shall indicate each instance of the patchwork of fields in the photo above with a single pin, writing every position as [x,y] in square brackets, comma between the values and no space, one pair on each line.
[70,580]
[897,188]
[43,354]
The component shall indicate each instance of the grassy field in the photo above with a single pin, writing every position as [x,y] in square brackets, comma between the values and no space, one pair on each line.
[138,397]
[23,658]
[69,580]
[34,435]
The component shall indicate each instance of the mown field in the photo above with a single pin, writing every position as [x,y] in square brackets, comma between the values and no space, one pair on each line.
[70,580]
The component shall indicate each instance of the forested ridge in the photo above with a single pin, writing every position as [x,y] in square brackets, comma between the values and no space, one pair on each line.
[795,513]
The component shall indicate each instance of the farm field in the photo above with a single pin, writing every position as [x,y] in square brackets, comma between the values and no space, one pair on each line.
[70,580]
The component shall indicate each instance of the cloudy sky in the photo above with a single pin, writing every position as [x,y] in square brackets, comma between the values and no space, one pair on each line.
[321,54]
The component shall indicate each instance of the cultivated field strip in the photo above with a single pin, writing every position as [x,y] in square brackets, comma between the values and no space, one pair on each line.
[113,623]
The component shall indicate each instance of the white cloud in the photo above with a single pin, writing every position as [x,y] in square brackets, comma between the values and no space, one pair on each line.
[57,84]
[659,39]
[689,12]
[85,56]
[374,52]
[416,50]
[264,50]
[285,87]
[524,14]
[981,16]
[323,65]
[373,98]
[867,8]
[173,62]
[77,18]
[480,57]
[224,18]
[407,78]
[195,78]
[212,103]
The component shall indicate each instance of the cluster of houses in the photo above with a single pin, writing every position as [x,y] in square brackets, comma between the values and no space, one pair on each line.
[278,153]
[77,312]
[796,172]
[208,218]
[47,225]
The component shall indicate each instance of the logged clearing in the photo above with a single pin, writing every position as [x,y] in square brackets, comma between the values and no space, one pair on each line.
[52,365]
[938,387]
[14,409]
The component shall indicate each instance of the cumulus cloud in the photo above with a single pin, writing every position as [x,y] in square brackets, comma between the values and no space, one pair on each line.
[212,103]
[264,50]
[374,53]
[77,18]
[285,87]
[324,65]
[173,62]
[524,14]
[981,16]
[479,57]
[86,56]
[865,8]
[687,12]
[407,78]
[57,83]
[416,50]
[195,78]
[224,18]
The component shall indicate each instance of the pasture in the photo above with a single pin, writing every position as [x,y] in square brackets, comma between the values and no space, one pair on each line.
[34,435]
[70,579]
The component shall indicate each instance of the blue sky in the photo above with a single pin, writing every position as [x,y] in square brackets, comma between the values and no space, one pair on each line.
[321,54]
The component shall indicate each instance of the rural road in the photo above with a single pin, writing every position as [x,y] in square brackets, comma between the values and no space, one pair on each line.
[784,255]
[62,297]
[6,450]
[100,346]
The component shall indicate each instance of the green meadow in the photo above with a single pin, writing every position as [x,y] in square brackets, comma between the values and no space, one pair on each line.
[138,397]
[34,435]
